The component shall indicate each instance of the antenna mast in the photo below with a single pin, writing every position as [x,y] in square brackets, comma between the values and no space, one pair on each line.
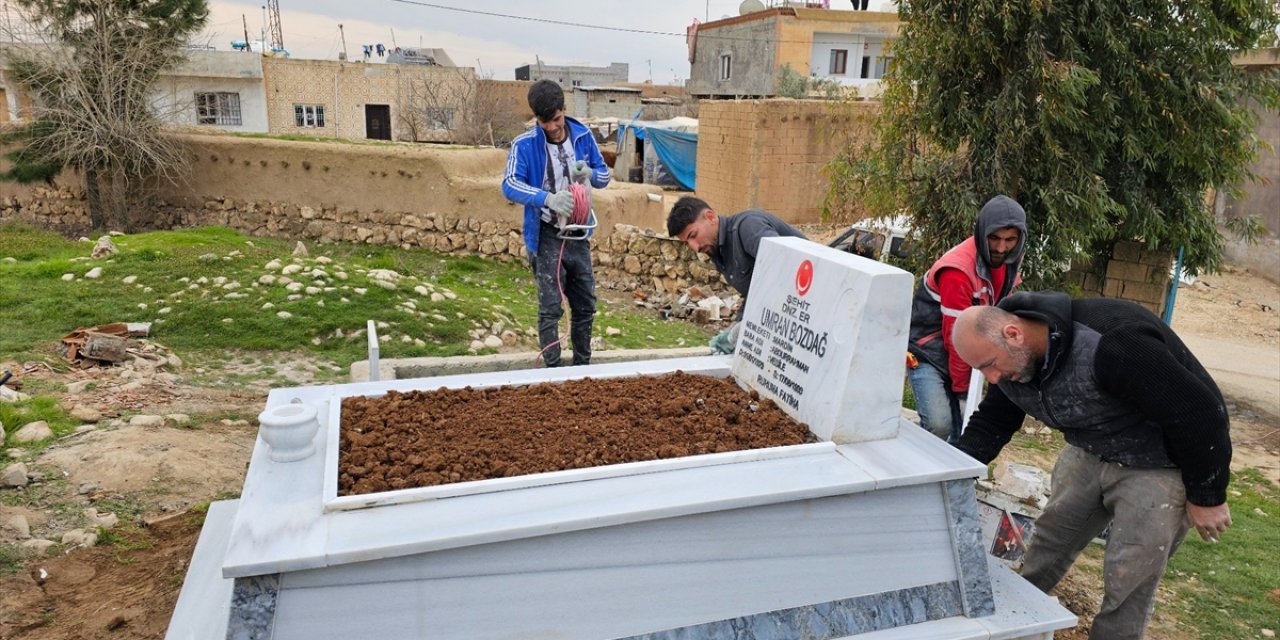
[277,32]
[343,35]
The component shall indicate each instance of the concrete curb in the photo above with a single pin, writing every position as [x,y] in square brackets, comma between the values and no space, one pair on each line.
[404,368]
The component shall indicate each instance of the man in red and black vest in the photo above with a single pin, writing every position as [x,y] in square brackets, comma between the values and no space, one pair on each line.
[982,270]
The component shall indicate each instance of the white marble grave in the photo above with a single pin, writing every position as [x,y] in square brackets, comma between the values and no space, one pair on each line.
[872,533]
[824,337]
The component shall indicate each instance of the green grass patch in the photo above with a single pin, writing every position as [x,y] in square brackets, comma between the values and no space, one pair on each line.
[11,560]
[125,539]
[205,293]
[128,508]
[15,415]
[1229,588]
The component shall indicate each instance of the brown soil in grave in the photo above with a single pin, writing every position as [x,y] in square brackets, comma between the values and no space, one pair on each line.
[426,438]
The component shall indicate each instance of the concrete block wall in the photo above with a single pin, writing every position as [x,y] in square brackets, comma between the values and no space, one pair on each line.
[514,93]
[1134,273]
[770,154]
[1261,199]
[344,88]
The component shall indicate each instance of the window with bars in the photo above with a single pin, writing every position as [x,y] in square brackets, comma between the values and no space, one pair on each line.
[308,115]
[839,62]
[221,107]
[438,118]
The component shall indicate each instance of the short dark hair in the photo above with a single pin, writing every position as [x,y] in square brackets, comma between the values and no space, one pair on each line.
[685,211]
[545,98]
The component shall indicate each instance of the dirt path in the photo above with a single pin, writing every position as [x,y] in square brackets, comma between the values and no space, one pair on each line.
[127,589]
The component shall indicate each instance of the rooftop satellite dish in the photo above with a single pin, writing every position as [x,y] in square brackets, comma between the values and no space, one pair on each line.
[750,6]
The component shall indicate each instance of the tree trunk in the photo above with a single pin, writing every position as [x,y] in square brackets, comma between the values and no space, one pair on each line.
[97,217]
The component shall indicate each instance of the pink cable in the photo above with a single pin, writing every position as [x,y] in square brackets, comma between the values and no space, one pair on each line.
[581,203]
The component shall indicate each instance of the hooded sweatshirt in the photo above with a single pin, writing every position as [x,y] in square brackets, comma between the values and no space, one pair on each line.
[1119,384]
[961,278]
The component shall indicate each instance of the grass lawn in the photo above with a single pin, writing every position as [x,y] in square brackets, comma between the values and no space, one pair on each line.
[209,290]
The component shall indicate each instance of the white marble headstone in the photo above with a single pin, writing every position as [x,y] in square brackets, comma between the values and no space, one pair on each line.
[824,335]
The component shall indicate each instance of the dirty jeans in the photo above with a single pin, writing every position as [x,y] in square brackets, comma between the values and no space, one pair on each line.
[938,407]
[1147,509]
[564,263]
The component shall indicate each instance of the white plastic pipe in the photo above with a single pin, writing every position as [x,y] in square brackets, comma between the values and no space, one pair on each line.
[974,397]
[373,351]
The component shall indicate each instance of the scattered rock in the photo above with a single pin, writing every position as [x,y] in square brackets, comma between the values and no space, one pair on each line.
[18,525]
[9,395]
[33,432]
[146,421]
[80,538]
[510,338]
[37,548]
[85,414]
[68,277]
[87,488]
[105,248]
[129,279]
[78,387]
[85,428]
[272,266]
[177,419]
[612,331]
[492,342]
[300,250]
[102,519]
[14,475]
[284,315]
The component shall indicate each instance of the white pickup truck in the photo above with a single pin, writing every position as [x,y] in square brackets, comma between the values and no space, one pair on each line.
[876,238]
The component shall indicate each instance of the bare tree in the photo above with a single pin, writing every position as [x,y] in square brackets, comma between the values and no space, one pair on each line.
[90,72]
[461,108]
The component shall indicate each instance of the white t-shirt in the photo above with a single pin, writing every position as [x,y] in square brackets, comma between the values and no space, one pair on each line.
[559,158]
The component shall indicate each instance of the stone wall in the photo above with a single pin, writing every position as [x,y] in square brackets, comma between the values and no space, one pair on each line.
[770,154]
[388,193]
[637,259]
[1134,272]
[447,200]
[626,257]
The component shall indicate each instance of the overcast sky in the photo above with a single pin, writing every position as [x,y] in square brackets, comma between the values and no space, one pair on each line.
[495,44]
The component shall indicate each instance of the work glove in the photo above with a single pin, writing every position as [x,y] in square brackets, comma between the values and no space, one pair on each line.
[561,204]
[725,341]
[580,173]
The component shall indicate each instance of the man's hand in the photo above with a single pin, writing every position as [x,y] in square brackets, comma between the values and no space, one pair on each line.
[1210,522]
[561,203]
[725,342]
[580,173]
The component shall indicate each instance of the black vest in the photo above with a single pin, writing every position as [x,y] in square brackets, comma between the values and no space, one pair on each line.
[1069,400]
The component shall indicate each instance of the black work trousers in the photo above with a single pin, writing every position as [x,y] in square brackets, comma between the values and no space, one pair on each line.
[564,264]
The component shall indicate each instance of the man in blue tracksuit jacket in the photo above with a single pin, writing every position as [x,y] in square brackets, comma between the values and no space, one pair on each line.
[544,161]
